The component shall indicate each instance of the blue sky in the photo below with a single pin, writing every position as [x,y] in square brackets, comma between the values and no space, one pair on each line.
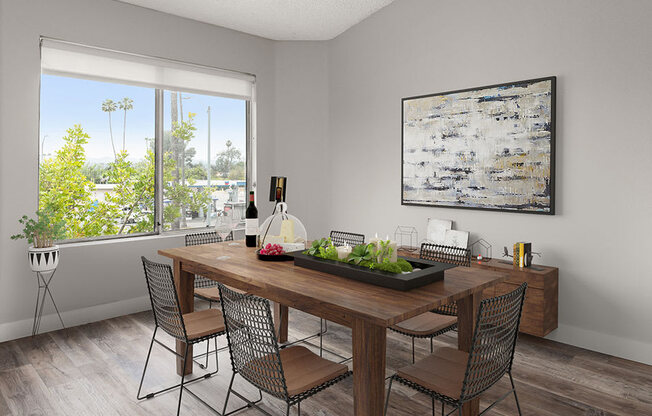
[68,101]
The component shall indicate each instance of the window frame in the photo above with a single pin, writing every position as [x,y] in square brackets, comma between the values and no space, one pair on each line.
[159,129]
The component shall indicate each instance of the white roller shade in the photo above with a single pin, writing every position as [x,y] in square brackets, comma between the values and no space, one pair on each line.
[72,60]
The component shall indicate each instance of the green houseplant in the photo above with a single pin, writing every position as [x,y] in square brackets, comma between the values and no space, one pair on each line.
[41,232]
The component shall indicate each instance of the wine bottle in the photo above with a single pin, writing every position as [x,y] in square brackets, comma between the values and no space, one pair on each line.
[251,222]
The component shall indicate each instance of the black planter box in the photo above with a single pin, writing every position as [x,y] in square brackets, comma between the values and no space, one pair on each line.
[431,271]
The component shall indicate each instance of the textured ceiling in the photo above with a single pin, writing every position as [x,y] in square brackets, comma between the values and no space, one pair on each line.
[273,19]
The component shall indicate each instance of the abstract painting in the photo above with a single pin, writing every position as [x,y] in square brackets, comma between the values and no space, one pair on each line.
[482,148]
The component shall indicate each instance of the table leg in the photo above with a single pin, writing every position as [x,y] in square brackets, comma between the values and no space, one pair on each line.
[281,315]
[368,368]
[185,283]
[467,312]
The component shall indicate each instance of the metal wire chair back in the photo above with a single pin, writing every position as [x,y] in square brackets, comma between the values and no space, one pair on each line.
[163,295]
[209,237]
[340,238]
[446,254]
[494,342]
[252,341]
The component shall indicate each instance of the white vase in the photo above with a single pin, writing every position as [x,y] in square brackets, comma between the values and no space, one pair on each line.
[43,259]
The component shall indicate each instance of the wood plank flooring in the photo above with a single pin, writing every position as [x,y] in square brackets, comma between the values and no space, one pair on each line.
[95,369]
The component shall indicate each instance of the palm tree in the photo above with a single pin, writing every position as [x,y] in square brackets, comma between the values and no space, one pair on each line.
[126,104]
[109,106]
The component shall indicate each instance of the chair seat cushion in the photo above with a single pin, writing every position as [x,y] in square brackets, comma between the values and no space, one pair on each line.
[212,293]
[304,369]
[425,324]
[442,371]
[203,323]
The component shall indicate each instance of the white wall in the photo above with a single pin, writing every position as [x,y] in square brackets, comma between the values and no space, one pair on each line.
[95,281]
[302,131]
[601,54]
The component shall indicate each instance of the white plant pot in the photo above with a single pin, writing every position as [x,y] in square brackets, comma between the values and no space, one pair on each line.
[43,259]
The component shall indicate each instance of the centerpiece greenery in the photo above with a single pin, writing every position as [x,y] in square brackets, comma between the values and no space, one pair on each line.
[371,256]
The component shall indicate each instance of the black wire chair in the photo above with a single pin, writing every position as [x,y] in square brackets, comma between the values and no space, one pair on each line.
[190,328]
[446,254]
[468,375]
[340,238]
[292,374]
[206,289]
[444,318]
[201,282]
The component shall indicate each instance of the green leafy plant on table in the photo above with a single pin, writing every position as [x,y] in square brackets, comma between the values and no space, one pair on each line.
[362,253]
[316,245]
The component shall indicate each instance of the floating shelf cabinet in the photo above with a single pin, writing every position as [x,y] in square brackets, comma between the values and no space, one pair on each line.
[540,310]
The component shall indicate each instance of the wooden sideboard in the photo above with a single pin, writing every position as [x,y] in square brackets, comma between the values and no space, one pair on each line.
[540,310]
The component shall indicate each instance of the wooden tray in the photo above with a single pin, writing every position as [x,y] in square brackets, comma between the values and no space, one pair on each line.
[431,271]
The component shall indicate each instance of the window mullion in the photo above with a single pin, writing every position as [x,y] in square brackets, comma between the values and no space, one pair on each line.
[158,157]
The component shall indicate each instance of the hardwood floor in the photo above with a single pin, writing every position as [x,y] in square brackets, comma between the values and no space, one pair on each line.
[95,369]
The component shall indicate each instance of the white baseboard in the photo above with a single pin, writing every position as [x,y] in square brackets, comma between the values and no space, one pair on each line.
[627,348]
[23,328]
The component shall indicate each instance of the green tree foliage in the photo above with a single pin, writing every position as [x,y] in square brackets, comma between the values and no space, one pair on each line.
[133,193]
[227,159]
[179,193]
[196,172]
[237,172]
[96,172]
[67,193]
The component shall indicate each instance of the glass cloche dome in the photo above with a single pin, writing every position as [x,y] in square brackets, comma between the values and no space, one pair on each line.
[283,229]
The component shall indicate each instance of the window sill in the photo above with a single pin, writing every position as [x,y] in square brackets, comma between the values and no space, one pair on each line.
[121,240]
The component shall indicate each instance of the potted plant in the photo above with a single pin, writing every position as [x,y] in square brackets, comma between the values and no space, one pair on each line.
[41,233]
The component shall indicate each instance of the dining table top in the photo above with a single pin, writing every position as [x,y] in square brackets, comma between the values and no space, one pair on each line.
[236,265]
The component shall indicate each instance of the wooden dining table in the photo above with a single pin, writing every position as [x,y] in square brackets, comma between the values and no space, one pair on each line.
[367,309]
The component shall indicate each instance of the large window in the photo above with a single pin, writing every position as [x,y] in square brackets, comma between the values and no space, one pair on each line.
[134,145]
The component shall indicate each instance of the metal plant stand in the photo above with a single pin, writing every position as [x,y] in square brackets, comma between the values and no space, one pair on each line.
[43,287]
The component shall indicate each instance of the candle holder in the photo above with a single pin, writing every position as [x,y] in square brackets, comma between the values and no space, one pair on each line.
[407,238]
[481,248]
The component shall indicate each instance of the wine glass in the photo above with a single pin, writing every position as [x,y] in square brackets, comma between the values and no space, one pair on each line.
[223,225]
[236,221]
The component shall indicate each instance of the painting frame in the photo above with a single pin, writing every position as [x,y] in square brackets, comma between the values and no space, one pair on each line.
[553,107]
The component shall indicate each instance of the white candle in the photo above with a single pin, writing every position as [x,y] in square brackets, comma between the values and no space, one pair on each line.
[376,243]
[391,246]
[394,256]
[343,251]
